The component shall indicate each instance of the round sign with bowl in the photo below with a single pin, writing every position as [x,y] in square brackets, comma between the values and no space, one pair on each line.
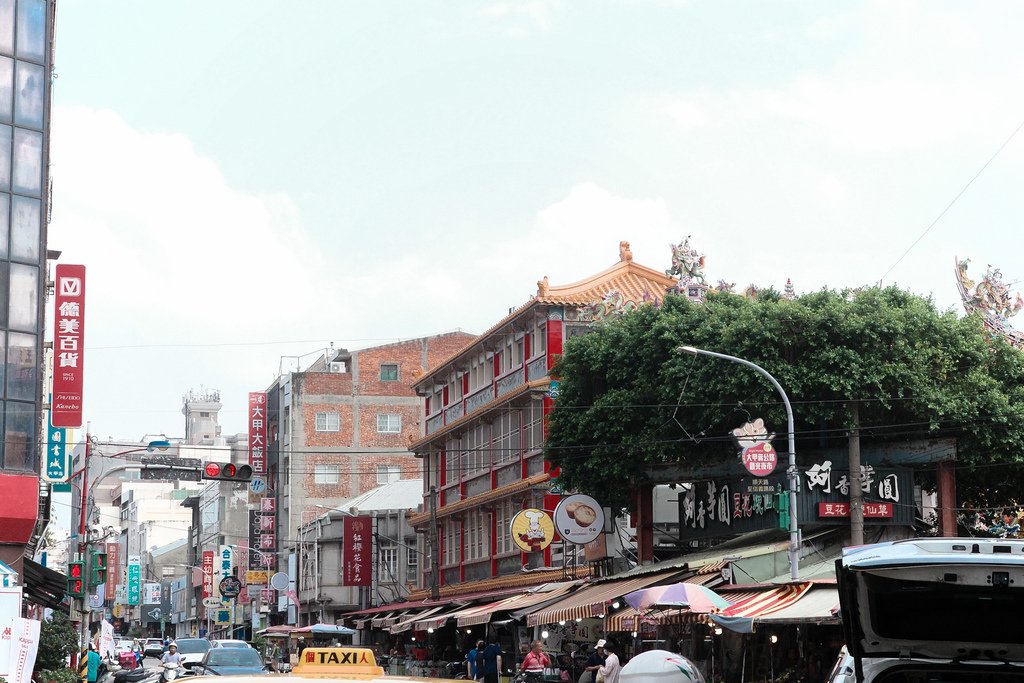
[579,519]
[532,530]
[760,459]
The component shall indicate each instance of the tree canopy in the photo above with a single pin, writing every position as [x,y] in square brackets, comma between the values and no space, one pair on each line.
[628,398]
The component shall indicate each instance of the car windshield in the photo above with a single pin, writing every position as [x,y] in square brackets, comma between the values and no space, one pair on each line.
[234,656]
[192,646]
[232,643]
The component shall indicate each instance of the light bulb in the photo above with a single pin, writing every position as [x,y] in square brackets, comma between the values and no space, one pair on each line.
[718,630]
[561,623]
[430,630]
[615,605]
[634,634]
[774,639]
[544,635]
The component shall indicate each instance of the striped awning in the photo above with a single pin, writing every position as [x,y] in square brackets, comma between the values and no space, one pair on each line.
[816,606]
[407,623]
[593,600]
[766,602]
[521,604]
[435,621]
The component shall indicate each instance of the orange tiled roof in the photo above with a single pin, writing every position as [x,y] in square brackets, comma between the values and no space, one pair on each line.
[495,583]
[634,282]
[481,499]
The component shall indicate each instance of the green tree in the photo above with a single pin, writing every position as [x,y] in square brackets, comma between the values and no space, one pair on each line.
[57,641]
[629,399]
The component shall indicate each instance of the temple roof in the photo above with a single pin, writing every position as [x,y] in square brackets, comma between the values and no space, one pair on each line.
[635,284]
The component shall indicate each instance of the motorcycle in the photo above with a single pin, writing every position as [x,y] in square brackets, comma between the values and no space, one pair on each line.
[170,671]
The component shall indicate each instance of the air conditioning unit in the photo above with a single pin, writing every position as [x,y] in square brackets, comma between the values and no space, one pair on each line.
[337,367]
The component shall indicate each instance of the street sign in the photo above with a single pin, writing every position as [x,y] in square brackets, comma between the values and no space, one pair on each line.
[169,461]
[169,473]
[211,602]
[257,485]
[230,587]
[279,581]
[57,462]
[134,579]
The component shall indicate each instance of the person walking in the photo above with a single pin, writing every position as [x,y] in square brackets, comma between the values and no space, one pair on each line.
[92,664]
[535,662]
[609,672]
[471,656]
[594,662]
[491,661]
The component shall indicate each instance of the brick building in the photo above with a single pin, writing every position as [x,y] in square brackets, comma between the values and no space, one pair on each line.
[485,428]
[343,426]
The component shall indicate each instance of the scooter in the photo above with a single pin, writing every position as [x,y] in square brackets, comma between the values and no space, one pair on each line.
[170,671]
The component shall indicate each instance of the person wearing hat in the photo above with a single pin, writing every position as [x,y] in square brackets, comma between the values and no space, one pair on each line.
[609,671]
[171,656]
[594,662]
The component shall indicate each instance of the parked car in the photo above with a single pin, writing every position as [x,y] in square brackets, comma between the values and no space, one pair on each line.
[232,660]
[192,650]
[154,647]
[933,609]
[227,642]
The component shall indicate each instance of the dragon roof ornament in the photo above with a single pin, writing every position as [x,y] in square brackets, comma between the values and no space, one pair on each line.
[991,299]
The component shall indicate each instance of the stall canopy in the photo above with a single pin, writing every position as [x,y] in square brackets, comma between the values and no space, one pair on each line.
[593,600]
[407,623]
[519,606]
[44,586]
[800,602]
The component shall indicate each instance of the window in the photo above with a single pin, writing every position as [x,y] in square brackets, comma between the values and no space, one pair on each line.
[452,541]
[389,423]
[503,526]
[328,422]
[388,372]
[388,473]
[388,563]
[325,475]
[412,563]
[478,535]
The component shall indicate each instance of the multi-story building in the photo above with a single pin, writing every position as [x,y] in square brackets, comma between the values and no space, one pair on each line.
[343,427]
[394,546]
[26,40]
[485,429]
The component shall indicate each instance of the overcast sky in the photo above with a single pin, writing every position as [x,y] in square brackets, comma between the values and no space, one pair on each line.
[248,181]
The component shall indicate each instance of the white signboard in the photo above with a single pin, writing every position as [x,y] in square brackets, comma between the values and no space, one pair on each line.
[579,519]
[151,594]
[24,647]
[10,609]
[106,648]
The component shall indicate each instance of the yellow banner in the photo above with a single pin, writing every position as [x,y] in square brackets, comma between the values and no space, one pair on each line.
[256,576]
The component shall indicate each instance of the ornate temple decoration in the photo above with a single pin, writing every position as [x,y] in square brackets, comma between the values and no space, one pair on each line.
[688,266]
[991,299]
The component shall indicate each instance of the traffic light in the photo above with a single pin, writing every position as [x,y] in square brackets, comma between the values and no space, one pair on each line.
[76,579]
[98,568]
[227,471]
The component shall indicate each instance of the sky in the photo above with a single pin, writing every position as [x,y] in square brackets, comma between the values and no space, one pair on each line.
[250,182]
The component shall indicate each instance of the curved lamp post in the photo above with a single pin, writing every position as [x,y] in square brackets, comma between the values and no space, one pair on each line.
[794,528]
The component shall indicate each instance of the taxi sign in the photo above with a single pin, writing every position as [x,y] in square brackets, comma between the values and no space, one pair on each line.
[338,661]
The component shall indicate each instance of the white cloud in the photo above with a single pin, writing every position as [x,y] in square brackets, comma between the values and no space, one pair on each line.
[519,19]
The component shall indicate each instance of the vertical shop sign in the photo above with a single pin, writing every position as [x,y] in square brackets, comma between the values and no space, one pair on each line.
[134,579]
[258,432]
[207,574]
[358,550]
[113,569]
[68,346]
[56,459]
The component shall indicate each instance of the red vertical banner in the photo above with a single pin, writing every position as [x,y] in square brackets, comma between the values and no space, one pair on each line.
[207,573]
[258,432]
[357,551]
[113,570]
[68,346]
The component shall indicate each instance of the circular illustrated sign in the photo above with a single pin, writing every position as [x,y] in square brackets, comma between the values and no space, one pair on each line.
[760,459]
[532,530]
[230,587]
[579,519]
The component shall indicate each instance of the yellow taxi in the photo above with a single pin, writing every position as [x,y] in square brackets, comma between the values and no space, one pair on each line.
[339,664]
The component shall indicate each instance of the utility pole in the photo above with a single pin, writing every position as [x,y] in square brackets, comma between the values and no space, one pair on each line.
[435,557]
[83,544]
[856,492]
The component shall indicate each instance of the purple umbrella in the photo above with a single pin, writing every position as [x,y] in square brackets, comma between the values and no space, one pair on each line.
[691,595]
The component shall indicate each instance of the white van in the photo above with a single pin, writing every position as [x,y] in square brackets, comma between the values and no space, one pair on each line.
[933,610]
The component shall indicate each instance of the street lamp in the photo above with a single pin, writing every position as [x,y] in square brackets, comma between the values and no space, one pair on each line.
[794,528]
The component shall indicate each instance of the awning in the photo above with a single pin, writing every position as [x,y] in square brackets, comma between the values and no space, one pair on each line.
[437,620]
[406,624]
[741,616]
[44,586]
[593,600]
[519,605]
[816,606]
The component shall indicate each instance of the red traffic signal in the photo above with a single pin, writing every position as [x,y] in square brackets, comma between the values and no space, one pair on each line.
[76,570]
[76,574]
[227,471]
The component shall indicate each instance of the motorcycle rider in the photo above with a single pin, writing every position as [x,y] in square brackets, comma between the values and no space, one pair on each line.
[171,656]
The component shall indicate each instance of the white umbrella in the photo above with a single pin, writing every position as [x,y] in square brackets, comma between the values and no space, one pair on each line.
[662,666]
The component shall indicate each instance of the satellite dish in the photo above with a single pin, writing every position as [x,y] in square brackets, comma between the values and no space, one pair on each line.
[279,581]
